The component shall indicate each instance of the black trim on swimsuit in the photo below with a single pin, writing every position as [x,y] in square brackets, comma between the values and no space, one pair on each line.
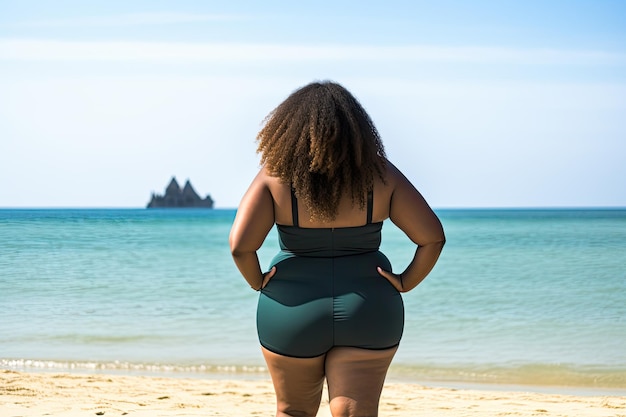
[370,205]
[294,207]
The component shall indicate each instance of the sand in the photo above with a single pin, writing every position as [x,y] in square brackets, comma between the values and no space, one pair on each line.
[62,394]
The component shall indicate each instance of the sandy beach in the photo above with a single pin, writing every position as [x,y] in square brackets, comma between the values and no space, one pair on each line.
[61,394]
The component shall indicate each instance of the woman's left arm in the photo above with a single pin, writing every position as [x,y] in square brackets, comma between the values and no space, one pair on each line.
[254,220]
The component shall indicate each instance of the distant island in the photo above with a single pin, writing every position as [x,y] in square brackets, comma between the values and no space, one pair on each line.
[176,198]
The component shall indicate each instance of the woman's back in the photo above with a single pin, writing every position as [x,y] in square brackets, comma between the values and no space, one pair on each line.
[348,213]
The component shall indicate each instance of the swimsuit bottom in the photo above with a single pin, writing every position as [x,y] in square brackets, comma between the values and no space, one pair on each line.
[313,304]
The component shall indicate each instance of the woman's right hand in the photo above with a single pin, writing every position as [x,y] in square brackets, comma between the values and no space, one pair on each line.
[268,276]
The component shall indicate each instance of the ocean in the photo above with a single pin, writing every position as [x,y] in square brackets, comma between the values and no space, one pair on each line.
[524,297]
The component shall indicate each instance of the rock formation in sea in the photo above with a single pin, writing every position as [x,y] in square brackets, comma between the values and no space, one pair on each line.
[176,198]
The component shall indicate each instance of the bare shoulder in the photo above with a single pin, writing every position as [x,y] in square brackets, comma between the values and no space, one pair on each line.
[384,190]
[263,180]
[274,184]
[394,177]
[403,192]
[280,194]
[409,209]
[262,177]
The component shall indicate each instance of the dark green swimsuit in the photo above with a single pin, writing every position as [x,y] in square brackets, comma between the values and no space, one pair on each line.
[327,292]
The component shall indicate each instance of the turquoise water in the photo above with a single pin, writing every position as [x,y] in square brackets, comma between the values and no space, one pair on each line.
[518,297]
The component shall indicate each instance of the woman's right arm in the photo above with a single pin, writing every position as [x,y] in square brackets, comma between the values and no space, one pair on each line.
[254,220]
[412,214]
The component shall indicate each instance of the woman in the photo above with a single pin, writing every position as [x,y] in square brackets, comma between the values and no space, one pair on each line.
[330,305]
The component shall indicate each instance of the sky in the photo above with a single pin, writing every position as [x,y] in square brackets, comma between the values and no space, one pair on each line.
[479,103]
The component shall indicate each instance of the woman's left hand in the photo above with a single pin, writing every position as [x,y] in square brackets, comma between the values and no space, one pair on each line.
[394,279]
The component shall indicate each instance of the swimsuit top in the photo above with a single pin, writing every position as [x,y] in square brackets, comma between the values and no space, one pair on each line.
[329,242]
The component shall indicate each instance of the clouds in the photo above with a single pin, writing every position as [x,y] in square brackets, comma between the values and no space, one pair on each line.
[496,143]
[463,143]
[54,50]
[129,19]
[100,109]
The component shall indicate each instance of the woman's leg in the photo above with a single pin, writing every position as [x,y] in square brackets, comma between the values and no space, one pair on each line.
[355,380]
[298,383]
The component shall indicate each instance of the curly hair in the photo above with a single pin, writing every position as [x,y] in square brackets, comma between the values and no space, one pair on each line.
[322,143]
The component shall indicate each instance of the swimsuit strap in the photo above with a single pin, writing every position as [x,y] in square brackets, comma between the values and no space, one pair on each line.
[294,207]
[370,205]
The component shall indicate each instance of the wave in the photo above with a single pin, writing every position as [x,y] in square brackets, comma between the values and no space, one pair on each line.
[538,374]
[130,367]
[556,375]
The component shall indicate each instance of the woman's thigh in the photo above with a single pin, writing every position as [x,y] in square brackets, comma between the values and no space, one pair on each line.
[298,383]
[355,379]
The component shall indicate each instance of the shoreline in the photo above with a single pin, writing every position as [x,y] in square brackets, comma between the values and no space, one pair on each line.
[589,384]
[79,394]
[258,373]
